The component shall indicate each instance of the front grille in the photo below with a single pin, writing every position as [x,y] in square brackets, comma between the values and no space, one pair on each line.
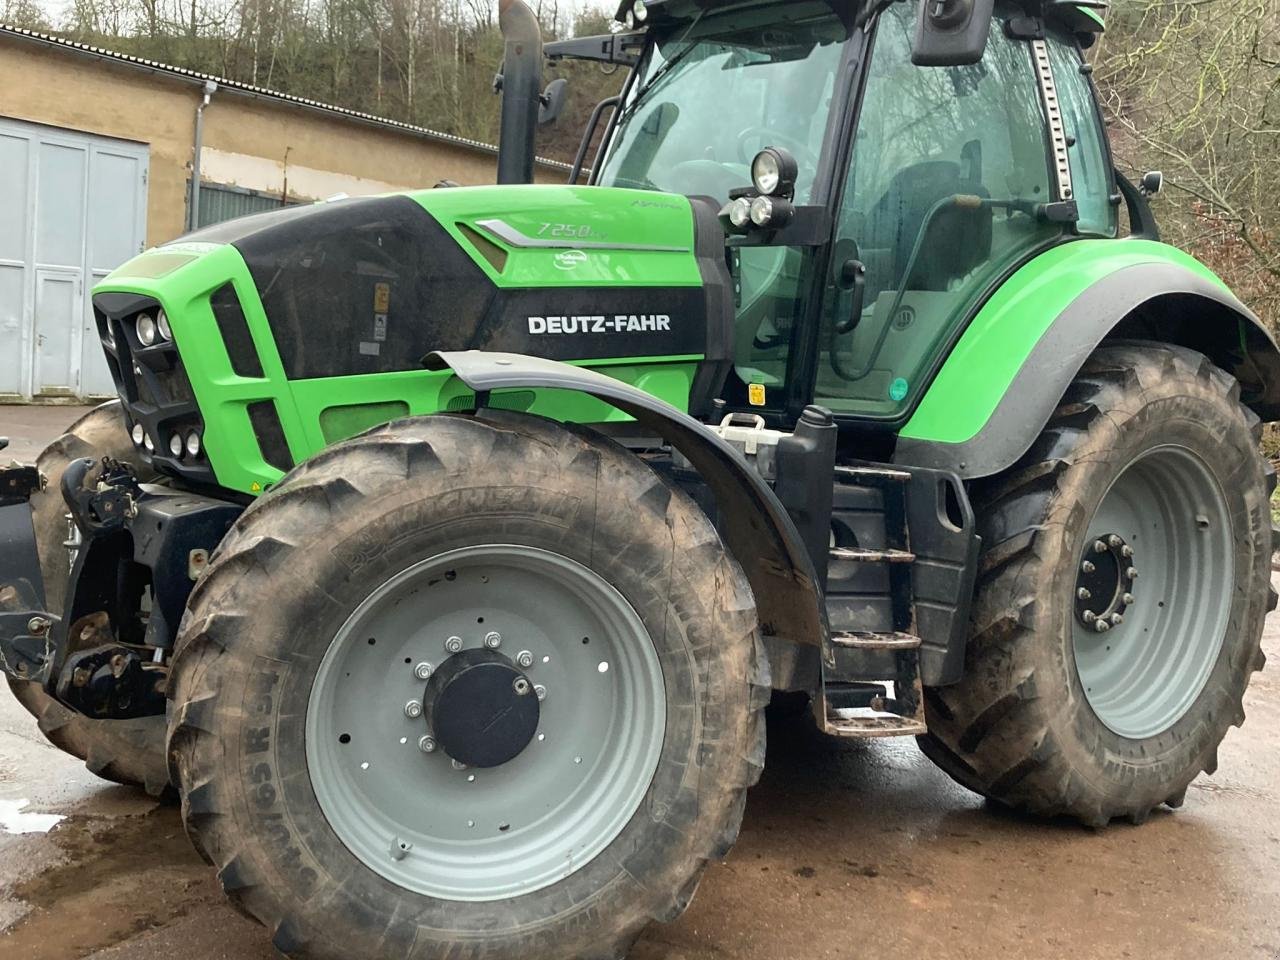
[152,385]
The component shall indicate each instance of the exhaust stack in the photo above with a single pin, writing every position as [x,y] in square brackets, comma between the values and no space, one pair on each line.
[521,90]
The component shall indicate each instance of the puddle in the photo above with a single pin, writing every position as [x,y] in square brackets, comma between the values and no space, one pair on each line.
[14,820]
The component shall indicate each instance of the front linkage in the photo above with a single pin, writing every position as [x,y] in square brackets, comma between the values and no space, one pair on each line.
[135,551]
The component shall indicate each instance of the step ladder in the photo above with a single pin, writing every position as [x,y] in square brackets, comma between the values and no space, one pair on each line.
[854,703]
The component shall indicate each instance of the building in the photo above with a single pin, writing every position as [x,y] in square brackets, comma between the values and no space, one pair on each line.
[96,157]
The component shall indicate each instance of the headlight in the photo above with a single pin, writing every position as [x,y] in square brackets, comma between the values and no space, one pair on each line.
[768,212]
[109,338]
[138,434]
[630,20]
[146,328]
[146,442]
[175,444]
[640,10]
[740,213]
[773,172]
[162,322]
[193,443]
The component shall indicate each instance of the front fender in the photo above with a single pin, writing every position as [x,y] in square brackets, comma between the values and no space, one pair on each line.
[757,528]
[1010,369]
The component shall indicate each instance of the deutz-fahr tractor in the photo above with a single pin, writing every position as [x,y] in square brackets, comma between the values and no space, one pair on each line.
[443,549]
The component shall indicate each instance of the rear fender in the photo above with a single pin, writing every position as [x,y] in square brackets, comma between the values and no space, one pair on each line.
[757,528]
[1011,368]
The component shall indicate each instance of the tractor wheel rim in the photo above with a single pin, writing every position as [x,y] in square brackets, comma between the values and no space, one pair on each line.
[1142,674]
[441,829]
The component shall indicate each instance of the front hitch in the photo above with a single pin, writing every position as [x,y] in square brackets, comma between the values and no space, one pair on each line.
[27,630]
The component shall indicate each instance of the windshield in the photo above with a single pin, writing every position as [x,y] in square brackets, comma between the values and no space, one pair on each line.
[712,93]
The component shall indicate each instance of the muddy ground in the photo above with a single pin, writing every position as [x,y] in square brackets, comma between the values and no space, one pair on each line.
[848,850]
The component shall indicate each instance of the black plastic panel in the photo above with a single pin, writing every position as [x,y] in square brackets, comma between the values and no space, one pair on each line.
[270,434]
[229,315]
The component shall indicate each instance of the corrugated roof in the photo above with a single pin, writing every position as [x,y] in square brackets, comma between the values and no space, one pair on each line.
[248,89]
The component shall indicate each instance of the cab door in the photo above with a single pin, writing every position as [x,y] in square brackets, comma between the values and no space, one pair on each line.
[947,171]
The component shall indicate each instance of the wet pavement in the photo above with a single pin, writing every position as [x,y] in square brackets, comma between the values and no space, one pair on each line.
[848,849]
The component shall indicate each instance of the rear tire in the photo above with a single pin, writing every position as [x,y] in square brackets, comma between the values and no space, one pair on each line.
[1054,717]
[277,798]
[129,752]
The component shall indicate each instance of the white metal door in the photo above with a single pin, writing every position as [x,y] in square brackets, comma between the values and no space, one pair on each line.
[76,206]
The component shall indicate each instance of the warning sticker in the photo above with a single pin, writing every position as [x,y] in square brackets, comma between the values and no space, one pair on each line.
[755,394]
[382,298]
[380,327]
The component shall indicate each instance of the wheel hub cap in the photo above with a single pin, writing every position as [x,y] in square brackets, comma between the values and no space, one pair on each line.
[481,708]
[1105,583]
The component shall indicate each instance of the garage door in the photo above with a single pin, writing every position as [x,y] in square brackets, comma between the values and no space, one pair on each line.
[75,208]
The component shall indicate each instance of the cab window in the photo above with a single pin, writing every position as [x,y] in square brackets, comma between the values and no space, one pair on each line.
[947,170]
[1090,163]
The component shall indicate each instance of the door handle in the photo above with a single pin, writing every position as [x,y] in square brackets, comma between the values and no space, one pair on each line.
[853,276]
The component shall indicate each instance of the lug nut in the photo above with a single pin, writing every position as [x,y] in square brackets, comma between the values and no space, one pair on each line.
[540,691]
[1113,541]
[453,644]
[1126,551]
[1101,626]
[1116,619]
[1128,599]
[520,685]
[1132,573]
[1090,616]
[423,671]
[524,658]
[1088,567]
[493,639]
[1099,547]
[427,744]
[413,709]
[1083,594]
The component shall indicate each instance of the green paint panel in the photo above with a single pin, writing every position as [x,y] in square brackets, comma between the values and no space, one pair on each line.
[183,275]
[993,348]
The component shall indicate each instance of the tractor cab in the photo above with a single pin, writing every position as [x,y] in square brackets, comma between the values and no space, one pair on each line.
[883,167]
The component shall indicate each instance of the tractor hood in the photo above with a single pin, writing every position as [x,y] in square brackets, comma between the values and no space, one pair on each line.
[366,288]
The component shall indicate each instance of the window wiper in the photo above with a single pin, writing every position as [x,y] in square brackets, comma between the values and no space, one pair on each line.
[662,71]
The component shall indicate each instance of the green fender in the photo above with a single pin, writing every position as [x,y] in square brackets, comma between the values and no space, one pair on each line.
[1010,368]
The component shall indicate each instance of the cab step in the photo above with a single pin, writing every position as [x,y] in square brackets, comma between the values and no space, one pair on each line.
[880,725]
[860,555]
[876,641]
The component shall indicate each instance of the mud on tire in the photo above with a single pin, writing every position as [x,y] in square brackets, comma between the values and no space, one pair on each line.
[301,559]
[122,751]
[1019,728]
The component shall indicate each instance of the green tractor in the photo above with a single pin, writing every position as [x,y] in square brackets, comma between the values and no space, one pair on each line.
[444,549]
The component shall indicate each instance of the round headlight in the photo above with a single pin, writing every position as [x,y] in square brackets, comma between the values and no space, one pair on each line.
[740,213]
[138,434]
[109,338]
[193,443]
[761,211]
[146,442]
[641,11]
[175,444]
[146,328]
[630,20]
[162,322]
[773,172]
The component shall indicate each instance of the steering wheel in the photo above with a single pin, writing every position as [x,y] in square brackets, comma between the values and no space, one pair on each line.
[771,138]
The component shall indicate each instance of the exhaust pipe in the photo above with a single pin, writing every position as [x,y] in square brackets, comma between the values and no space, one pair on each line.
[521,90]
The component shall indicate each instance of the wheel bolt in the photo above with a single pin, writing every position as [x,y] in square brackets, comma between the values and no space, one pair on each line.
[1116,619]
[1113,541]
[413,709]
[1090,616]
[427,744]
[453,644]
[1088,567]
[1101,626]
[1099,547]
[524,658]
[540,691]
[1126,551]
[1084,594]
[458,764]
[1128,599]
[1132,573]
[493,640]
[423,671]
[520,685]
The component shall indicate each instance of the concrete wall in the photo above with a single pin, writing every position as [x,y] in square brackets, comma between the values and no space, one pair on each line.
[249,142]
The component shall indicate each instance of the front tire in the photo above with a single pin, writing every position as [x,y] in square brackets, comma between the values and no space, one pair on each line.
[129,752]
[301,766]
[1149,467]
